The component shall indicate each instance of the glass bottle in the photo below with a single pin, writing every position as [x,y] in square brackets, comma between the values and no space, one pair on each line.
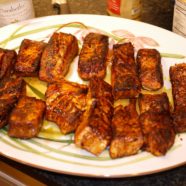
[130,9]
[15,10]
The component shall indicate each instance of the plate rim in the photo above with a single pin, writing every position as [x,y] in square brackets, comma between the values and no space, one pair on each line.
[93,175]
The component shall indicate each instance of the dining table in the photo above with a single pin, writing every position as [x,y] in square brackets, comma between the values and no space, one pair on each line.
[155,12]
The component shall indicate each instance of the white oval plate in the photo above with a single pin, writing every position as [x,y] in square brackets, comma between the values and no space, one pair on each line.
[66,158]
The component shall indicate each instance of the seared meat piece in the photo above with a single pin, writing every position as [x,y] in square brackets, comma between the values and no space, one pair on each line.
[94,132]
[154,103]
[6,106]
[10,91]
[98,88]
[150,70]
[26,118]
[158,132]
[7,60]
[156,123]
[179,119]
[66,102]
[92,59]
[127,134]
[28,59]
[57,56]
[124,77]
[178,80]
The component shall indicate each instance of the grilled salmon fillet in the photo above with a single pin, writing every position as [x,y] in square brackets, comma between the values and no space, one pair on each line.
[26,118]
[92,58]
[158,132]
[156,122]
[11,88]
[127,133]
[7,61]
[154,102]
[178,81]
[150,69]
[66,102]
[28,59]
[124,77]
[57,56]
[94,132]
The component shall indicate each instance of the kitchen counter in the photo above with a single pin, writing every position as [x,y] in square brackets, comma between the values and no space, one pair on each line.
[155,12]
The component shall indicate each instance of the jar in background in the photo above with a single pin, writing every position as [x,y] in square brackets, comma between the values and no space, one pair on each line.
[179,20]
[12,11]
[130,9]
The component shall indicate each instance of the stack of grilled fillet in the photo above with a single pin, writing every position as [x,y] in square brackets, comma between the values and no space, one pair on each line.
[88,110]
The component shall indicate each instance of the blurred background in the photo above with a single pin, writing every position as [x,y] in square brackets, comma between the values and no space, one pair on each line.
[156,12]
